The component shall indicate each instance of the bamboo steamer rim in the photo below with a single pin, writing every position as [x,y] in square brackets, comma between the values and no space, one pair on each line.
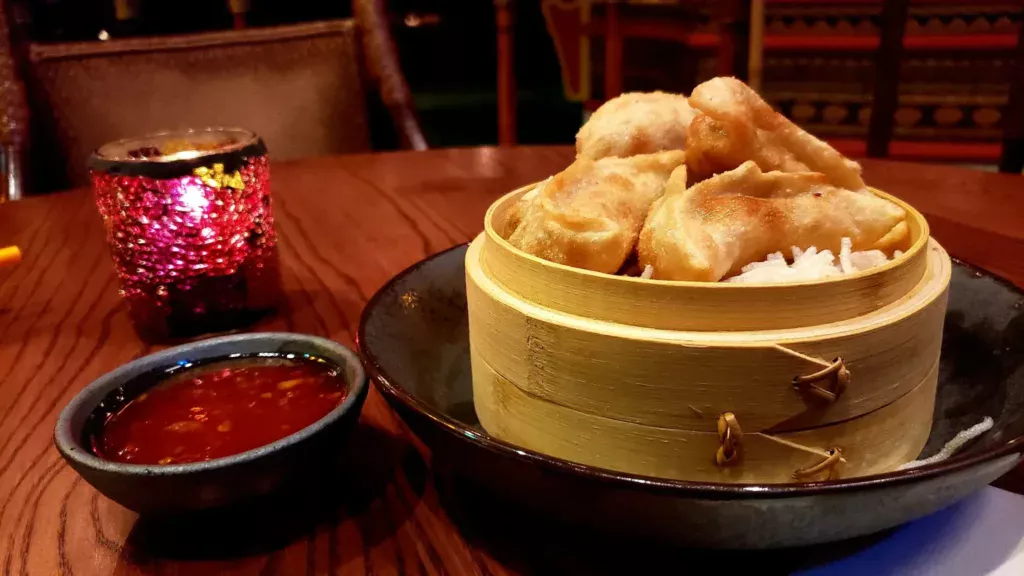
[932,285]
[915,248]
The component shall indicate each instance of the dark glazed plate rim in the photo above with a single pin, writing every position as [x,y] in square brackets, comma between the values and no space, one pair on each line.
[716,490]
[74,450]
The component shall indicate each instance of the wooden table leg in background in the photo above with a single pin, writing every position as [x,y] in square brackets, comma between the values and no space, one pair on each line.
[238,8]
[1012,159]
[733,19]
[887,77]
[506,72]
[755,53]
[613,48]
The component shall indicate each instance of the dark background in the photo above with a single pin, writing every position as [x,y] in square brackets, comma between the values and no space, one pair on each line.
[449,58]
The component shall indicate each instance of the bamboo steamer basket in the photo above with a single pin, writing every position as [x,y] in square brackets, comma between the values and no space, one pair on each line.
[696,381]
[697,305]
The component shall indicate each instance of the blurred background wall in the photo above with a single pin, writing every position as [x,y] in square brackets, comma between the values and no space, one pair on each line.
[816,59]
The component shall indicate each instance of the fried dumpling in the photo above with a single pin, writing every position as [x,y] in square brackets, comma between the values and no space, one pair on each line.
[635,123]
[736,125]
[714,228]
[590,214]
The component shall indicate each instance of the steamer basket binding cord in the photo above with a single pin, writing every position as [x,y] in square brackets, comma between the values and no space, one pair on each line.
[707,381]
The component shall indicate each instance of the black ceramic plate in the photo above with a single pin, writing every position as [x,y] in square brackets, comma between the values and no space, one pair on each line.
[413,339]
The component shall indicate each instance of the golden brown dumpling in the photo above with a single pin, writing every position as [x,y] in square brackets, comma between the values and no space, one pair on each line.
[714,228]
[590,214]
[736,125]
[635,123]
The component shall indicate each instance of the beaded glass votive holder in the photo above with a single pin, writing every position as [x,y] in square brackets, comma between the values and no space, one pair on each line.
[191,230]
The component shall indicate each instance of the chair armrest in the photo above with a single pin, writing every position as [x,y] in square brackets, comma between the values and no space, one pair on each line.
[10,171]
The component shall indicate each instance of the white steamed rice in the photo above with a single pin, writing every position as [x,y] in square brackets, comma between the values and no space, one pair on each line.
[810,264]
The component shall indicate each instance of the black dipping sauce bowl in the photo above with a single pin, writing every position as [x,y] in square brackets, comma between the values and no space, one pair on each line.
[177,489]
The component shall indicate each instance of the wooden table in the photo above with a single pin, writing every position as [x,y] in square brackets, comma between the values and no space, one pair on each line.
[347,224]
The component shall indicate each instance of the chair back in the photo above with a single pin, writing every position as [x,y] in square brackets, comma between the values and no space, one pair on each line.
[300,87]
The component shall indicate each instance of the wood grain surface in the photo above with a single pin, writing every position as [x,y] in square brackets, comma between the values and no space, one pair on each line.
[347,224]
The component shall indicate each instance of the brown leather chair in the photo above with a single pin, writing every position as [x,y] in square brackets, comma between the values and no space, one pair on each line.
[304,88]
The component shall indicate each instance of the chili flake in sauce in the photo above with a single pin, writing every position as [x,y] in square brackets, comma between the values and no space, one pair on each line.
[219,409]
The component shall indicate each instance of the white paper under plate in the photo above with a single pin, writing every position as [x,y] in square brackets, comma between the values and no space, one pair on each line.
[982,535]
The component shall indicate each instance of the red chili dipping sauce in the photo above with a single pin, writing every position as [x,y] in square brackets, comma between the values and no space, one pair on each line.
[216,409]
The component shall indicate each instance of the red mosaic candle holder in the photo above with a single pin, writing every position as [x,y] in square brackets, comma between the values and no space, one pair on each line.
[190,226]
